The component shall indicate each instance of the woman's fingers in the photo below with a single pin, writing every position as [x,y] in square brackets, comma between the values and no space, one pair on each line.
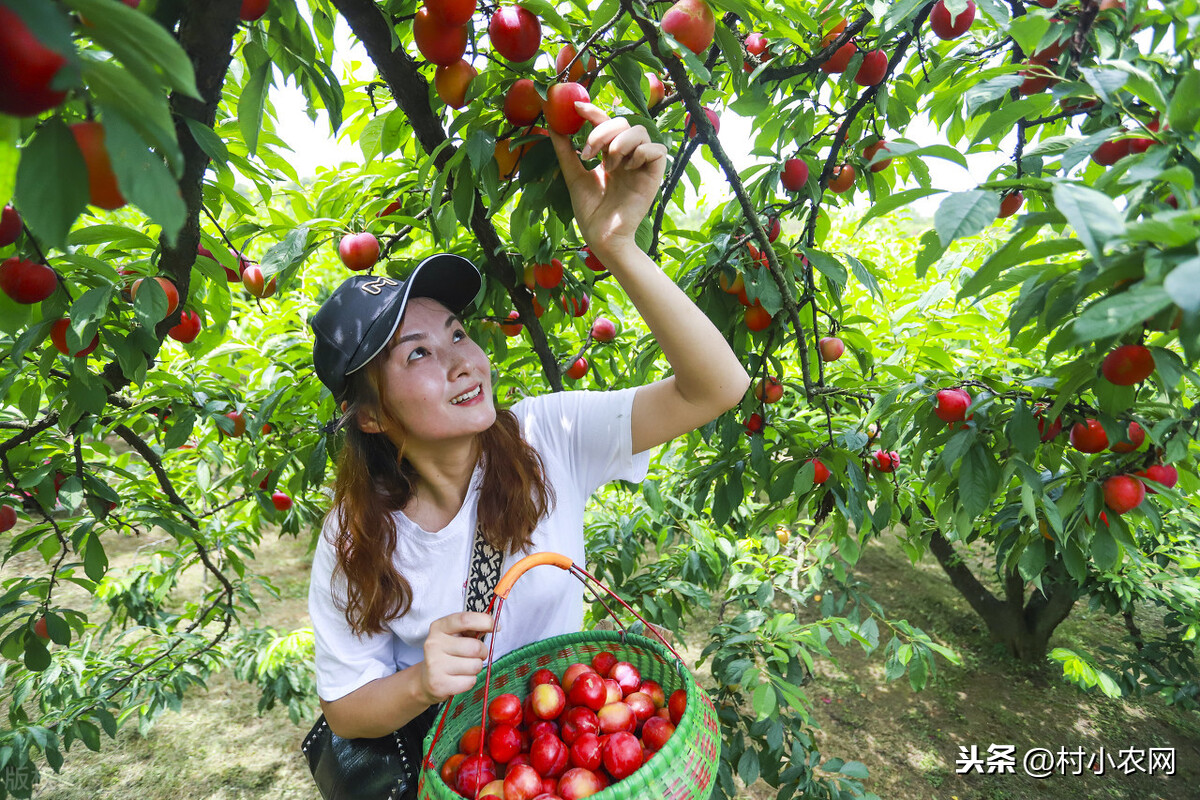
[602,135]
[646,153]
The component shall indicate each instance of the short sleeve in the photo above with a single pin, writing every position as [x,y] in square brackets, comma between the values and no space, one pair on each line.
[344,660]
[589,432]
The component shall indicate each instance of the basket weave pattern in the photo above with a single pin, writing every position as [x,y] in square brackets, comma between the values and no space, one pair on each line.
[684,769]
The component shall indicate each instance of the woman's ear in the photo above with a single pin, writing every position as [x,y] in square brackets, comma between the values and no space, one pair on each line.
[368,421]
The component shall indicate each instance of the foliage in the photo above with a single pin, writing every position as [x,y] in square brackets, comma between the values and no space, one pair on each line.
[134,442]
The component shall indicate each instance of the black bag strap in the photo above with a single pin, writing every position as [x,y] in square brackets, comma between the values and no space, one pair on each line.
[486,562]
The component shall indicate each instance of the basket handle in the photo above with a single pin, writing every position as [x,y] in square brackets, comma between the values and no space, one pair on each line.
[505,584]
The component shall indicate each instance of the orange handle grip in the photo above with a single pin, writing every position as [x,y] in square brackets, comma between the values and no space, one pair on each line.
[527,563]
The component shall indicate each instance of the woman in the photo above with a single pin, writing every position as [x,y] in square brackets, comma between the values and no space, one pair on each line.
[428,458]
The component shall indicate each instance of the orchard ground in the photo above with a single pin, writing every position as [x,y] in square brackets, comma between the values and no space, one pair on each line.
[219,749]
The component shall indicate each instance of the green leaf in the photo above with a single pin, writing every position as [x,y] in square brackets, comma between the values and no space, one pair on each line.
[763,699]
[1182,285]
[212,144]
[965,214]
[855,769]
[1105,80]
[1116,314]
[250,105]
[1183,113]
[1105,550]
[747,767]
[1001,123]
[143,177]
[829,266]
[116,90]
[977,480]
[1091,213]
[37,657]
[52,184]
[931,251]
[137,40]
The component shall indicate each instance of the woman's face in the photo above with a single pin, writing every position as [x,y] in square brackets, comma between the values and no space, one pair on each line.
[432,362]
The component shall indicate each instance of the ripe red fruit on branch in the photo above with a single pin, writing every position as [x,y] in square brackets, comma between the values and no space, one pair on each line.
[754,424]
[840,58]
[1088,436]
[951,405]
[58,335]
[27,281]
[187,329]
[842,178]
[579,305]
[1128,364]
[756,44]
[568,54]
[873,68]
[713,119]
[451,12]
[768,390]
[831,348]
[1136,437]
[604,330]
[1010,204]
[794,174]
[253,280]
[8,518]
[512,328]
[820,471]
[886,461]
[946,27]
[1164,474]
[522,103]
[253,10]
[869,152]
[515,32]
[168,289]
[578,369]
[359,251]
[451,82]
[657,90]
[102,181]
[757,318]
[10,226]
[774,228]
[1109,153]
[1047,432]
[27,69]
[1123,493]
[440,44]
[691,23]
[239,422]
[1142,143]
[281,501]
[561,116]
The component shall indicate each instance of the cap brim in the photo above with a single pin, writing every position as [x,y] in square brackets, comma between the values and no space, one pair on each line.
[451,280]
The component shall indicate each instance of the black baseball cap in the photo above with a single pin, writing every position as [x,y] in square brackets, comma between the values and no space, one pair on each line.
[362,315]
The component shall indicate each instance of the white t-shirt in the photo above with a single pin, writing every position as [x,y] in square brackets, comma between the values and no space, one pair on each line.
[585,440]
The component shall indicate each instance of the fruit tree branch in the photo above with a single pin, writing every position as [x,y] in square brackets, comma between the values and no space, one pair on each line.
[706,132]
[411,93]
[206,34]
[818,58]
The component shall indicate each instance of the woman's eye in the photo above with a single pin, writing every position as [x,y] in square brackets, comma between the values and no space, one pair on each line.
[415,351]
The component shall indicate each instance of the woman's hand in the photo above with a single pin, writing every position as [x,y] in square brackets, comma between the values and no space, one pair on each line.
[612,199]
[454,654]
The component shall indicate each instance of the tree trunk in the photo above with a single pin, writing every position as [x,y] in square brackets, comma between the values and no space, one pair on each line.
[1023,627]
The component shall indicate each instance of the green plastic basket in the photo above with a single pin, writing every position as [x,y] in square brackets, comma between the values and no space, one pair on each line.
[684,769]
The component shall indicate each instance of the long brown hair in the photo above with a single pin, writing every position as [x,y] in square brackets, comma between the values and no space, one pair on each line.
[374,480]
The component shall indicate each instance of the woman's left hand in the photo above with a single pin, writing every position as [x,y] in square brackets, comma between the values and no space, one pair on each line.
[612,199]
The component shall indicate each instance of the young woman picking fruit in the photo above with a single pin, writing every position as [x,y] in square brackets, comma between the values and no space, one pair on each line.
[428,455]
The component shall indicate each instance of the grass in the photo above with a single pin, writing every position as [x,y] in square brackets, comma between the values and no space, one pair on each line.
[219,749]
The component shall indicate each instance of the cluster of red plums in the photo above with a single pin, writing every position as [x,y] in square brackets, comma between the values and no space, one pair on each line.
[571,737]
